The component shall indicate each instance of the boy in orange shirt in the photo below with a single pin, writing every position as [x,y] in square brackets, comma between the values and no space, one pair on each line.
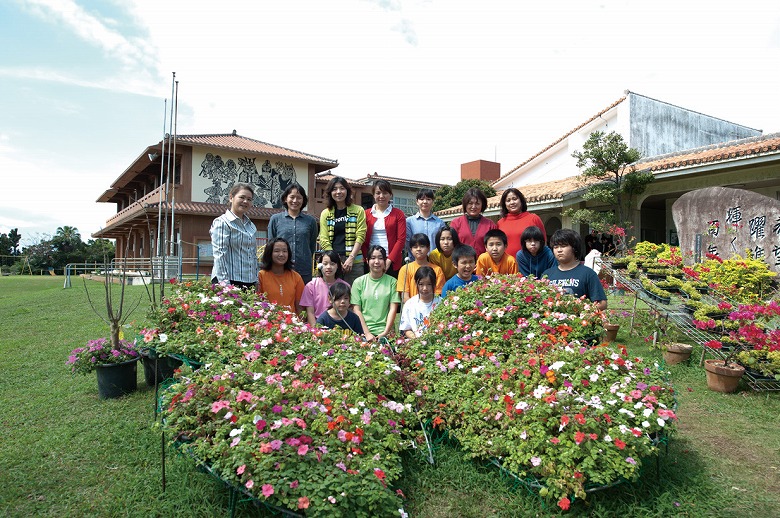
[420,245]
[495,259]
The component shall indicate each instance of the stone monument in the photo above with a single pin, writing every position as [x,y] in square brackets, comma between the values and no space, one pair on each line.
[727,222]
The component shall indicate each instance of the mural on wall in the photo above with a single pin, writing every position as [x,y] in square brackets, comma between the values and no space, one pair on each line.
[269,182]
[730,222]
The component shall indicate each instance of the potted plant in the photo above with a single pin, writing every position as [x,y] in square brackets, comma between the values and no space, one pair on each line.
[668,338]
[113,359]
[723,374]
[759,335]
[114,362]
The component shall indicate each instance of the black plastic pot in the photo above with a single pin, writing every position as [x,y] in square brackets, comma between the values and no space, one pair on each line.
[117,379]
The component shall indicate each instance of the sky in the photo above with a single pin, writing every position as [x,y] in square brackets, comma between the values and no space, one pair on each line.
[406,88]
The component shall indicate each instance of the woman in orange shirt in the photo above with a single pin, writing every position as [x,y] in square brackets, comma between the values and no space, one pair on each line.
[277,280]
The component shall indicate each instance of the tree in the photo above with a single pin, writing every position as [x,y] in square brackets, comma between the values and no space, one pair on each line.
[69,248]
[41,253]
[452,195]
[6,246]
[99,250]
[606,157]
[15,237]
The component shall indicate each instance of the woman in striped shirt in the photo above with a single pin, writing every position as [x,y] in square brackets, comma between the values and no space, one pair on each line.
[233,241]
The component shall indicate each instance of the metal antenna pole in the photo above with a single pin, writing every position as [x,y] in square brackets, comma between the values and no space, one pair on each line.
[162,181]
[163,271]
[175,108]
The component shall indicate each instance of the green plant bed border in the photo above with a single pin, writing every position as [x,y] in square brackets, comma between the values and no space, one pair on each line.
[237,494]
[533,485]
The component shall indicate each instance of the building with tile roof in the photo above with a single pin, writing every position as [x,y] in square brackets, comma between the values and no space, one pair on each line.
[205,168]
[684,150]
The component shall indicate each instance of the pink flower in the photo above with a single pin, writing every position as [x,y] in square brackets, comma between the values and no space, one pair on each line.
[216,406]
[555,440]
[303,503]
[244,396]
[240,470]
[302,449]
[268,490]
[260,425]
[293,484]
[250,484]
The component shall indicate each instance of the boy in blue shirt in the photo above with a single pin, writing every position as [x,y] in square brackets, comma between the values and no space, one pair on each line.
[570,274]
[465,260]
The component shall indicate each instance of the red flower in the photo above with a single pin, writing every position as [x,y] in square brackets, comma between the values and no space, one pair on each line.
[580,418]
[579,437]
[620,444]
[555,440]
[564,503]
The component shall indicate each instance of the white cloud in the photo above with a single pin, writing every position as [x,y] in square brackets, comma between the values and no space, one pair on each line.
[90,28]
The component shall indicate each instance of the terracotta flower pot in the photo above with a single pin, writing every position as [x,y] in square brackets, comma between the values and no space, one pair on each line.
[612,331]
[675,353]
[721,378]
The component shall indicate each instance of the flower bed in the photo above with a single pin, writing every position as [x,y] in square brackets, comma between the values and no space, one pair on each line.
[312,423]
[509,376]
[304,419]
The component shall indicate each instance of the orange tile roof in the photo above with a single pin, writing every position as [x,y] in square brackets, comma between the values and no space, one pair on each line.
[394,179]
[722,152]
[564,137]
[328,176]
[140,210]
[239,143]
[536,193]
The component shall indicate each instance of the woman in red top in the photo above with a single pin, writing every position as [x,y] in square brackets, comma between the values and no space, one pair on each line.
[386,227]
[472,226]
[515,219]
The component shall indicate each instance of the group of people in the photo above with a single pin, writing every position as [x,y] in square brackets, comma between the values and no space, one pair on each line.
[373,260]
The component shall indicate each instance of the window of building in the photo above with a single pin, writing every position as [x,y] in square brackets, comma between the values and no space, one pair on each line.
[407,204]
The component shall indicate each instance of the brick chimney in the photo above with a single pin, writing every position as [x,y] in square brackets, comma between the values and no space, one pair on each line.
[480,170]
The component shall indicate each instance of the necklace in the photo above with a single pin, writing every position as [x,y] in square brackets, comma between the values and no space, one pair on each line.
[281,289]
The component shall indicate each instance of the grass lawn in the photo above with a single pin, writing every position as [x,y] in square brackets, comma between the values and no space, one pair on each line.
[66,453]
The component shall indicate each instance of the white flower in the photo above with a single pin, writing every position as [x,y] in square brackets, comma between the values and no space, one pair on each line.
[645,424]
[163,337]
[661,422]
[236,431]
[557,365]
[594,377]
[607,438]
[647,411]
